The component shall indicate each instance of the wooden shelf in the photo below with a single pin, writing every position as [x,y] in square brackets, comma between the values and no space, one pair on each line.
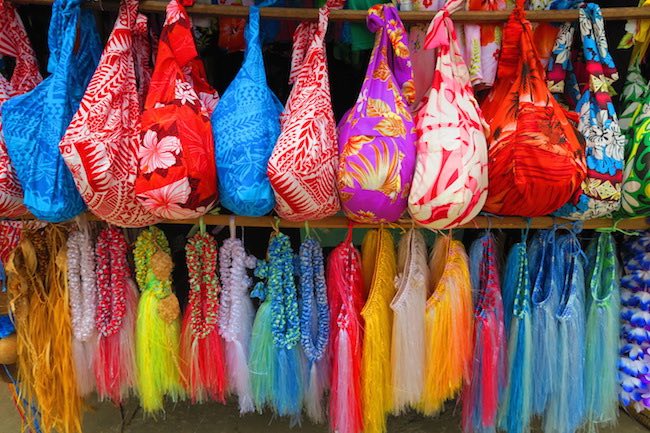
[308,14]
[480,222]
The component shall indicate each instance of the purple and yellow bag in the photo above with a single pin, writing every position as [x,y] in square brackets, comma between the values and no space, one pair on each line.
[377,136]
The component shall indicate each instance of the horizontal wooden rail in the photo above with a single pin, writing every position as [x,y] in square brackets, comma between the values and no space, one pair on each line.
[480,222]
[308,14]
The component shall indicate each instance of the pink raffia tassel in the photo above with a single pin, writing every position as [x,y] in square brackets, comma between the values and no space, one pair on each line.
[345,287]
[203,363]
[115,318]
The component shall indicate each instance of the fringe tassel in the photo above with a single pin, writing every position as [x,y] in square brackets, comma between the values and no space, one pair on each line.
[345,287]
[83,353]
[602,340]
[157,344]
[566,409]
[262,358]
[449,326]
[115,371]
[317,383]
[202,363]
[515,411]
[288,384]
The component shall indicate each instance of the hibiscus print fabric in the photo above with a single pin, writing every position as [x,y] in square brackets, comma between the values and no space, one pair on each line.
[450,182]
[302,167]
[600,192]
[483,43]
[536,158]
[177,176]
[377,136]
[34,123]
[14,43]
[101,144]
[246,127]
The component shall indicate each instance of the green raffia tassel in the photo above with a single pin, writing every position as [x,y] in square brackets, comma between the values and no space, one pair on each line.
[158,323]
[262,358]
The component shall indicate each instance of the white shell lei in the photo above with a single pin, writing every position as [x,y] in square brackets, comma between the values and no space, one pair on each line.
[235,282]
[82,283]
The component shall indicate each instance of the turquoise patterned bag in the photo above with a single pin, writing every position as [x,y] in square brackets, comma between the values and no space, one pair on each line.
[34,123]
[246,125]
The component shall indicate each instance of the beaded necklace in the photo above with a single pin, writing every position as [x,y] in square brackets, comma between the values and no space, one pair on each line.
[278,271]
[148,243]
[201,256]
[312,285]
[112,280]
[82,283]
[233,262]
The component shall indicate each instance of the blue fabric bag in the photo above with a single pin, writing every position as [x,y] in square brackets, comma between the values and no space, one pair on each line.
[34,123]
[246,125]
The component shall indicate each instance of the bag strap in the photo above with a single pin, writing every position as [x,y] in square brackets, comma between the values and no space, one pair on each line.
[183,52]
[14,42]
[142,56]
[384,20]
[559,63]
[62,33]
[602,72]
[508,66]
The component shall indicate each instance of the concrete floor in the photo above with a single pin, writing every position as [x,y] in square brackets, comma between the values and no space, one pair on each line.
[215,418]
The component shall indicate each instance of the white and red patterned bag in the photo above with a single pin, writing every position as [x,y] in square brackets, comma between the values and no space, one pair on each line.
[14,43]
[302,167]
[101,144]
[450,182]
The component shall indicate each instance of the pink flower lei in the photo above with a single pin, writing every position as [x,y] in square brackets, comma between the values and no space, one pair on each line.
[82,284]
[112,280]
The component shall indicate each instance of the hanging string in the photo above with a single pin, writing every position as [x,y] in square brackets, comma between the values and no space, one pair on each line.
[314,324]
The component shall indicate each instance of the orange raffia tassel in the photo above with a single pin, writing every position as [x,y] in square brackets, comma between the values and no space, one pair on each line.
[345,291]
[202,353]
[448,325]
[38,288]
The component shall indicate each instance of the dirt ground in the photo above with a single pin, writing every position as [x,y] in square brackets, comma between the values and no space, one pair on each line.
[215,418]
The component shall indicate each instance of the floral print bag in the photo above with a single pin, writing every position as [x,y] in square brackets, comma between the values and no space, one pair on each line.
[14,43]
[101,144]
[377,136]
[302,168]
[588,89]
[450,181]
[536,157]
[177,176]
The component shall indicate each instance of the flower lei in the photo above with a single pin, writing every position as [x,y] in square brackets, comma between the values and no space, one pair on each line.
[112,277]
[201,257]
[148,243]
[233,262]
[82,283]
[312,285]
[280,288]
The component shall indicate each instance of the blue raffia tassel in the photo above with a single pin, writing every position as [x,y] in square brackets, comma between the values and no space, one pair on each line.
[545,279]
[275,361]
[6,326]
[566,409]
[602,333]
[515,411]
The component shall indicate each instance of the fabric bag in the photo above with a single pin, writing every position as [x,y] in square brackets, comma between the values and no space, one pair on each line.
[101,144]
[14,43]
[246,126]
[177,176]
[589,92]
[34,123]
[483,42]
[450,181]
[302,168]
[536,157]
[377,136]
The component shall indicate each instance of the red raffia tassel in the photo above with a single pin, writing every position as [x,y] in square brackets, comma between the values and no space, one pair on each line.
[345,287]
[202,353]
[115,318]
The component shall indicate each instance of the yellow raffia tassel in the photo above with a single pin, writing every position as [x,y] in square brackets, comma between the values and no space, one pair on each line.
[37,283]
[158,324]
[379,270]
[448,328]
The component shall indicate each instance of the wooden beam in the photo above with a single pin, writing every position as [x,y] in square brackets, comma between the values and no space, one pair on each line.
[480,222]
[310,14]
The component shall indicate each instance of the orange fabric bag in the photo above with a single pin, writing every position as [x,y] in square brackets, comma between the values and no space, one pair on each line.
[536,157]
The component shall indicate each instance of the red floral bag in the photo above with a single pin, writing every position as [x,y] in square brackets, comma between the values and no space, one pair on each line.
[100,146]
[177,176]
[536,157]
[14,43]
